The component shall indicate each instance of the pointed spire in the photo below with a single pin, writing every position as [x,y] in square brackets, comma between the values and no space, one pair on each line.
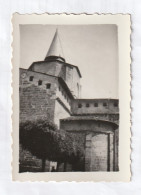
[55,49]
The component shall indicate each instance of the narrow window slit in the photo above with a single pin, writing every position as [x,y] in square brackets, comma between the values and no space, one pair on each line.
[48,86]
[79,105]
[31,78]
[95,104]
[39,82]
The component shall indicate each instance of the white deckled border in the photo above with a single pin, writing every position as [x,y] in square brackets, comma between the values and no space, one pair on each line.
[124,31]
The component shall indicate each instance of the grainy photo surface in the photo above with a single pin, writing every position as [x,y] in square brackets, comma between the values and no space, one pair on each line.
[65,125]
[69,101]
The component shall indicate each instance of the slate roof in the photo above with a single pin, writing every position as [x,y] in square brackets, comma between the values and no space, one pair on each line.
[55,48]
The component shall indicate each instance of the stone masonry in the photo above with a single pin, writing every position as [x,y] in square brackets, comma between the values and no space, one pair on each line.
[51,88]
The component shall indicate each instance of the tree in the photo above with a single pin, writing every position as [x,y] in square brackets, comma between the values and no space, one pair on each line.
[40,138]
[44,140]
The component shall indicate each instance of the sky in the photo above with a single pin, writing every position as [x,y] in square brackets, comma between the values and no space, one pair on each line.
[93,48]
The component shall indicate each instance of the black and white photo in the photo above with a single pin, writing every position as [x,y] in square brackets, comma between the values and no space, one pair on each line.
[69,98]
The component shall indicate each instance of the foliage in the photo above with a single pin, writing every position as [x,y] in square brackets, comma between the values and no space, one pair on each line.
[44,140]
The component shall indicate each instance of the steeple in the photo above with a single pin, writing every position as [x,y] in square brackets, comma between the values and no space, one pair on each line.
[55,50]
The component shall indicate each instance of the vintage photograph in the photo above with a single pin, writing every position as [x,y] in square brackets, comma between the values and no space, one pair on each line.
[65,124]
[71,102]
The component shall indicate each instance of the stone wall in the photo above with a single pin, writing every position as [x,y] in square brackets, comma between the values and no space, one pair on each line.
[69,76]
[36,101]
[63,96]
[54,68]
[68,73]
[76,83]
[99,153]
[59,112]
[101,147]
[116,149]
[91,119]
[30,163]
[94,106]
[87,125]
[73,80]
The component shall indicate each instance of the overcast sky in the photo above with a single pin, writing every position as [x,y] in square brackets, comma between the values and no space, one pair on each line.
[93,48]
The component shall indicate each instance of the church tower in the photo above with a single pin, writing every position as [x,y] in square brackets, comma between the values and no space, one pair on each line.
[55,64]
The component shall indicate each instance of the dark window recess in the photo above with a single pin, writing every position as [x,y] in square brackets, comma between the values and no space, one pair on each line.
[104,104]
[87,105]
[39,82]
[95,104]
[31,78]
[115,104]
[48,85]
[79,105]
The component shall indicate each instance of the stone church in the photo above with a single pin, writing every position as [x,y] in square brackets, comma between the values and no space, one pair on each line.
[51,88]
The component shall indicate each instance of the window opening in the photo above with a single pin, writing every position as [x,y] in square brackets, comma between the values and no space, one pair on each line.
[39,82]
[48,85]
[31,78]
